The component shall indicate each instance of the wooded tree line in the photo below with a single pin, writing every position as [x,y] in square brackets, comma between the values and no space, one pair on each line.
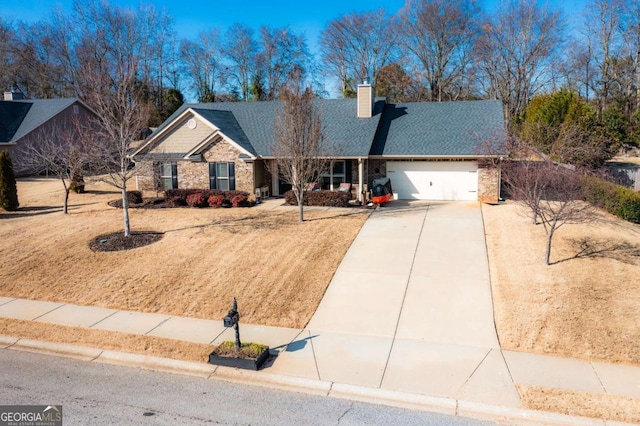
[430,50]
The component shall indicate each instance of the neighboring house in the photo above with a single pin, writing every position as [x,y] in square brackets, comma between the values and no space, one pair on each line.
[430,151]
[627,174]
[23,120]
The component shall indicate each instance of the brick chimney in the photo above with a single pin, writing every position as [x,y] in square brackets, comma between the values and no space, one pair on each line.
[365,100]
[13,95]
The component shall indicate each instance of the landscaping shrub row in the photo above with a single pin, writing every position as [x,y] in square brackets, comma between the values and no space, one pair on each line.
[618,200]
[320,198]
[207,198]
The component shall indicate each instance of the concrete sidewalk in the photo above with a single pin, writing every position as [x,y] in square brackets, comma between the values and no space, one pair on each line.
[407,317]
[305,356]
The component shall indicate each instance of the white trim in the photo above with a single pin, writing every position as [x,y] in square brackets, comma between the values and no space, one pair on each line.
[360,179]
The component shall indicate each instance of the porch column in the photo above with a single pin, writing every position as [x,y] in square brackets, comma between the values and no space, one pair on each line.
[360,179]
[275,186]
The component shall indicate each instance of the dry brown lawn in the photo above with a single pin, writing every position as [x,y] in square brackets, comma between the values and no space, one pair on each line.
[107,340]
[277,267]
[601,406]
[583,305]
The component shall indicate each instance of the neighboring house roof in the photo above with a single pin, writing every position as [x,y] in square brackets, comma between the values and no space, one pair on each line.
[420,129]
[12,114]
[438,128]
[21,117]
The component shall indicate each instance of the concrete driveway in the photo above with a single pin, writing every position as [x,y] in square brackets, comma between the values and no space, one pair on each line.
[410,308]
[415,272]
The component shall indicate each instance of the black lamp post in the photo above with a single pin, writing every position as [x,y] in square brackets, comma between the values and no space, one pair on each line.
[231,320]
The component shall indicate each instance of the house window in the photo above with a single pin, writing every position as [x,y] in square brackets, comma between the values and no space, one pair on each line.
[222,176]
[169,175]
[335,176]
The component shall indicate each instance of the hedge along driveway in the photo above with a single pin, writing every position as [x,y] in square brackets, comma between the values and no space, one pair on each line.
[616,199]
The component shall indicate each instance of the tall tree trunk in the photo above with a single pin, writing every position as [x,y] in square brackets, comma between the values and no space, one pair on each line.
[125,212]
[301,205]
[67,189]
[65,207]
[547,256]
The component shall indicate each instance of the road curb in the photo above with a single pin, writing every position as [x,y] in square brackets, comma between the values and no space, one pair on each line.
[308,386]
[262,378]
[523,416]
[150,362]
[83,353]
[6,341]
[394,398]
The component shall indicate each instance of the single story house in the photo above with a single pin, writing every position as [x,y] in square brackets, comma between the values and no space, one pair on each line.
[430,151]
[22,120]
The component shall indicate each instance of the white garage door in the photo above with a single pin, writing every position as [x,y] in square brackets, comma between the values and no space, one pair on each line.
[434,180]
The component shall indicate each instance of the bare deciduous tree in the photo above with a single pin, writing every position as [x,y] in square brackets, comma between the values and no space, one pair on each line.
[6,54]
[297,150]
[57,149]
[282,50]
[357,46]
[201,59]
[603,20]
[515,52]
[108,67]
[551,192]
[441,34]
[241,49]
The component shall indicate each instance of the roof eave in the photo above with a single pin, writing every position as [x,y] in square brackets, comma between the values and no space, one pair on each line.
[439,157]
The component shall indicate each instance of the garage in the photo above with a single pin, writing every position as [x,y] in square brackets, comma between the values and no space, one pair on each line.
[434,180]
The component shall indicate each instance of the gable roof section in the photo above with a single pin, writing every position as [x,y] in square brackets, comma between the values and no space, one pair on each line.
[12,114]
[36,112]
[438,129]
[252,124]
[228,125]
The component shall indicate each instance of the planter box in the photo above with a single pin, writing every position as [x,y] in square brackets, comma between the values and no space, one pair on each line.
[244,363]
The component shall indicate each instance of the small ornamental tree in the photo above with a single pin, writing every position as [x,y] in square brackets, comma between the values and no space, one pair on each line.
[57,150]
[552,192]
[299,137]
[8,190]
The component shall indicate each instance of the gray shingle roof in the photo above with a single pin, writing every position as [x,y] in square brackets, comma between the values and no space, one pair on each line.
[252,124]
[27,115]
[12,115]
[438,128]
[444,129]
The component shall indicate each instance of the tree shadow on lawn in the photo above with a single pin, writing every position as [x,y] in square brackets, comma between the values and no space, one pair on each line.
[100,192]
[259,221]
[238,224]
[356,212]
[31,211]
[589,247]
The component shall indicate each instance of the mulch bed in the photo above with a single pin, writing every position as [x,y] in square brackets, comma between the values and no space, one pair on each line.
[116,241]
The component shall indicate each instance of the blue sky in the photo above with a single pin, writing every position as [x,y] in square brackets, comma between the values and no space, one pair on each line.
[194,16]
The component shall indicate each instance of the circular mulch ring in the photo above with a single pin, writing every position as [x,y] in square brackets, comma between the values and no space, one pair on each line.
[116,241]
